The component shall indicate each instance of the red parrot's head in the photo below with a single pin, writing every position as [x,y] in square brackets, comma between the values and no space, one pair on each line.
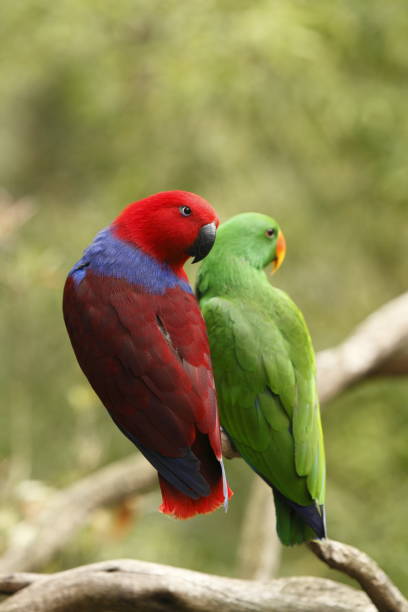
[171,226]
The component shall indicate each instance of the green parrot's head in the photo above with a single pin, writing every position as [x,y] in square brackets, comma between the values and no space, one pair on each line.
[254,237]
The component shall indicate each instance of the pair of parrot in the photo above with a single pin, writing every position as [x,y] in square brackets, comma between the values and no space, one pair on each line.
[140,338]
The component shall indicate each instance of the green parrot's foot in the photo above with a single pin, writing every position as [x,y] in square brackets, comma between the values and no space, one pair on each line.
[228,449]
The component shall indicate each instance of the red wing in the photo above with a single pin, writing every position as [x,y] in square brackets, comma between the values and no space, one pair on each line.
[147,358]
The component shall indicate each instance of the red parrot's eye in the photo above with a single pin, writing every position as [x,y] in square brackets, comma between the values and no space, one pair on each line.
[185,211]
[270,233]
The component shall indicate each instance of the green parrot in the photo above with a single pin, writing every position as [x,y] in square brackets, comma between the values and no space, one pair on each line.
[264,369]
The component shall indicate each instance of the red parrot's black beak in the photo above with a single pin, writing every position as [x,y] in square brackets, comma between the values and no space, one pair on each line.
[204,242]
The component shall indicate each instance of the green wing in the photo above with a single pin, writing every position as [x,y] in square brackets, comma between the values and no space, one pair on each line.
[265,376]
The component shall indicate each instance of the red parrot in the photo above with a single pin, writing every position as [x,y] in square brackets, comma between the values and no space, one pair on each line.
[140,339]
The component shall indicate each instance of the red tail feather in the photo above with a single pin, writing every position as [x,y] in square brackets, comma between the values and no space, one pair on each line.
[180,506]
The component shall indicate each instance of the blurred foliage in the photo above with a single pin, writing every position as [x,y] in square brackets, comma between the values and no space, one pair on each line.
[293,108]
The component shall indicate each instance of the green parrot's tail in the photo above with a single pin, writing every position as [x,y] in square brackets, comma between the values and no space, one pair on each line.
[296,524]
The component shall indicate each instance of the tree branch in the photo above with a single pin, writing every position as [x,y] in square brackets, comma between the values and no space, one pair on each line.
[356,564]
[377,346]
[128,586]
[259,548]
[70,509]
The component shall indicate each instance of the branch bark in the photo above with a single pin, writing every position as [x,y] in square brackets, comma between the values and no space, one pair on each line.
[129,586]
[259,549]
[356,564]
[70,509]
[378,346]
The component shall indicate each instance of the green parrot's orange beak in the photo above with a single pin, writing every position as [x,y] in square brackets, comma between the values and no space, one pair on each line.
[280,251]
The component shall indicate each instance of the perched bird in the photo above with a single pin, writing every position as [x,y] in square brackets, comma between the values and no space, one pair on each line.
[264,369]
[139,337]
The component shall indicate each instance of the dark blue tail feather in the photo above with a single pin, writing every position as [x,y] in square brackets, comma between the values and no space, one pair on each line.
[311,515]
[181,472]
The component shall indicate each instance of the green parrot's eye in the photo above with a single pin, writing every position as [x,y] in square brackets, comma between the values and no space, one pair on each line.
[270,233]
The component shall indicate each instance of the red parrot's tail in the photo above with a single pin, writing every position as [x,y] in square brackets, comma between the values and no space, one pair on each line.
[180,505]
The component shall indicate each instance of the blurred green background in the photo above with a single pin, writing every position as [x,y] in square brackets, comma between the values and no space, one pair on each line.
[297,109]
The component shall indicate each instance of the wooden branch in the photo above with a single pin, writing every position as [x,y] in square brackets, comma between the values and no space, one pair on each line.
[70,509]
[259,549]
[132,586]
[395,365]
[356,564]
[377,346]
